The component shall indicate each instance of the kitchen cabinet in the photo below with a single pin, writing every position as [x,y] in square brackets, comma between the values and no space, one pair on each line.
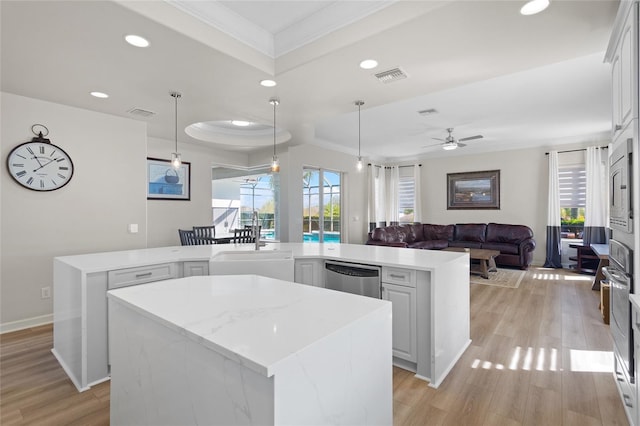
[403,302]
[309,272]
[624,71]
[629,392]
[436,306]
[195,268]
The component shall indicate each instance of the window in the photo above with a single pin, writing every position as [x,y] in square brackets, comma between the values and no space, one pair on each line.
[573,197]
[406,195]
[237,193]
[321,194]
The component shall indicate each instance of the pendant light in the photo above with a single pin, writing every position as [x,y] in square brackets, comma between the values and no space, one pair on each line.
[275,164]
[359,163]
[176,162]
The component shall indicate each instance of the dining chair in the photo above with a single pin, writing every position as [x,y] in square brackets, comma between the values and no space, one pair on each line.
[204,234]
[244,235]
[187,237]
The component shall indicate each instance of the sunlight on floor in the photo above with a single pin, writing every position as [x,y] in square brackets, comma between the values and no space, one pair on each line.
[591,361]
[551,276]
[546,359]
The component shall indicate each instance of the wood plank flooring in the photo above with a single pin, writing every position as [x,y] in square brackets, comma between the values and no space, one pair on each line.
[519,370]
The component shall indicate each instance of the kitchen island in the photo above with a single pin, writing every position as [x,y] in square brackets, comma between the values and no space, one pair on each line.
[247,349]
[429,291]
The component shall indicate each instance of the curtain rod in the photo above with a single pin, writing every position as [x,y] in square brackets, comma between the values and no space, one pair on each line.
[388,167]
[578,150]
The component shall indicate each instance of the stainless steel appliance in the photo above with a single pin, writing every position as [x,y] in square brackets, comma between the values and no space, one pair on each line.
[353,278]
[620,178]
[619,273]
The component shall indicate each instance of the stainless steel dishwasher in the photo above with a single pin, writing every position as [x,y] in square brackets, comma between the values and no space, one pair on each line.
[352,278]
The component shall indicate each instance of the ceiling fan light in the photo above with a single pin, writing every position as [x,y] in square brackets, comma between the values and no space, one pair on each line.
[449,146]
[534,6]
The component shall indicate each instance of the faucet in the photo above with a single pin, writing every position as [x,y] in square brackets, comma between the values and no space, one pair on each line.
[256,229]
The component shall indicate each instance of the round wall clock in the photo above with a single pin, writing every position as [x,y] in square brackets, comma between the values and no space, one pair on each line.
[40,165]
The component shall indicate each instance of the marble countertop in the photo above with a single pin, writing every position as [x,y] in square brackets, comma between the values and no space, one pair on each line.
[257,321]
[378,255]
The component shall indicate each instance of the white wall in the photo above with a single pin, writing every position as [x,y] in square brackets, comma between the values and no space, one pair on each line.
[89,214]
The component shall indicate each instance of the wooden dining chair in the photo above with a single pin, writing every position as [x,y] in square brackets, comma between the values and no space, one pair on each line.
[244,235]
[204,234]
[187,237]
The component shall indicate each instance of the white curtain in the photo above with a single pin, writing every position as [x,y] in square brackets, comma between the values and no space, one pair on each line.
[392,195]
[372,195]
[597,203]
[417,195]
[554,242]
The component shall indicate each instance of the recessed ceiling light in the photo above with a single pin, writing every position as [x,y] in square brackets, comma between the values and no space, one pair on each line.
[534,6]
[241,123]
[268,83]
[99,95]
[368,64]
[136,40]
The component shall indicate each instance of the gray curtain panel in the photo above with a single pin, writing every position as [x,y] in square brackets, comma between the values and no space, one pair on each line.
[554,241]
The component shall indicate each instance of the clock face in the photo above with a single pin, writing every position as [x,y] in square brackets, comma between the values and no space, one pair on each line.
[40,166]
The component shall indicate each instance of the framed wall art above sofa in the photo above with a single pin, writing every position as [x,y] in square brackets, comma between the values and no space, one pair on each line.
[473,190]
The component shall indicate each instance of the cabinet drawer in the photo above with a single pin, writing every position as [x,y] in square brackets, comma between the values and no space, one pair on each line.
[141,275]
[406,277]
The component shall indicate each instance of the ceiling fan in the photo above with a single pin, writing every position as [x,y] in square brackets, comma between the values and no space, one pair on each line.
[452,143]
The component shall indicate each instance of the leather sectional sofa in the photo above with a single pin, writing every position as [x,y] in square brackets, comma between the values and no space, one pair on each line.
[515,242]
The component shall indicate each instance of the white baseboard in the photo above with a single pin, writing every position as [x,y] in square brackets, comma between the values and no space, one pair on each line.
[8,327]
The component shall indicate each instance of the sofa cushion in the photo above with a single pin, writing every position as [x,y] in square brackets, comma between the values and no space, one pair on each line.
[503,248]
[413,233]
[437,232]
[430,244]
[470,232]
[394,234]
[512,234]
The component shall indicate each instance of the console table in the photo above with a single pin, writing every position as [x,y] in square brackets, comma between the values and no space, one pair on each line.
[602,251]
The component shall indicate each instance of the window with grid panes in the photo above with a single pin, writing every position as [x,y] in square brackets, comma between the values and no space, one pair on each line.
[573,197]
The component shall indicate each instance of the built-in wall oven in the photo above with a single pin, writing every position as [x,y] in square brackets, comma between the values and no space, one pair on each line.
[620,184]
[619,274]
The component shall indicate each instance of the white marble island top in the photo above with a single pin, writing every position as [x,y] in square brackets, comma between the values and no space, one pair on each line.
[368,254]
[257,321]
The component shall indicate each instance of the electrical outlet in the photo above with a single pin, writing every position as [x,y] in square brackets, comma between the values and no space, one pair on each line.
[45,292]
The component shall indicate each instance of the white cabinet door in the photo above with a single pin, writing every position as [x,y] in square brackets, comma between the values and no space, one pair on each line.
[192,269]
[628,68]
[403,305]
[309,271]
[624,72]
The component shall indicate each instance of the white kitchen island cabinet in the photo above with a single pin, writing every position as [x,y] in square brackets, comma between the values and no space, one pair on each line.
[442,331]
[247,349]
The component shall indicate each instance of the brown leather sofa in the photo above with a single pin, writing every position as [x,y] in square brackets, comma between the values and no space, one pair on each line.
[515,242]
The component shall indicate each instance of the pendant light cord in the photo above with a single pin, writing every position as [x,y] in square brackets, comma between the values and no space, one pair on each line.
[359,105]
[176,121]
[274,128]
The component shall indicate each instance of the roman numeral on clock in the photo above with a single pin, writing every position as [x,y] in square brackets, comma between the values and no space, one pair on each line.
[21,173]
[42,150]
[30,181]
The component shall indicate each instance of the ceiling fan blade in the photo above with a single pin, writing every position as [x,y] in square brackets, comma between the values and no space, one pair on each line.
[470,138]
[431,146]
[438,139]
[460,145]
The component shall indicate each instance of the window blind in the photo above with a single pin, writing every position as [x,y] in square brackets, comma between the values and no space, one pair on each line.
[573,186]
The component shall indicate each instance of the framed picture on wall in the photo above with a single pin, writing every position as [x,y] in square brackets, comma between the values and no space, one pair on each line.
[164,182]
[473,190]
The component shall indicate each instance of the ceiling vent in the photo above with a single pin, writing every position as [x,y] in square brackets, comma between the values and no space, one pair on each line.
[391,75]
[139,112]
[429,111]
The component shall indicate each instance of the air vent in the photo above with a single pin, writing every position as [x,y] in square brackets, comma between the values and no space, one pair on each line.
[391,75]
[429,111]
[141,112]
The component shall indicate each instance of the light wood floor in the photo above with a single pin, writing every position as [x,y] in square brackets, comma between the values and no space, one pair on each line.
[518,370]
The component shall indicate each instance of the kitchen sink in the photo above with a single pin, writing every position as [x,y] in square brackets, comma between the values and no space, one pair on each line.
[268,263]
